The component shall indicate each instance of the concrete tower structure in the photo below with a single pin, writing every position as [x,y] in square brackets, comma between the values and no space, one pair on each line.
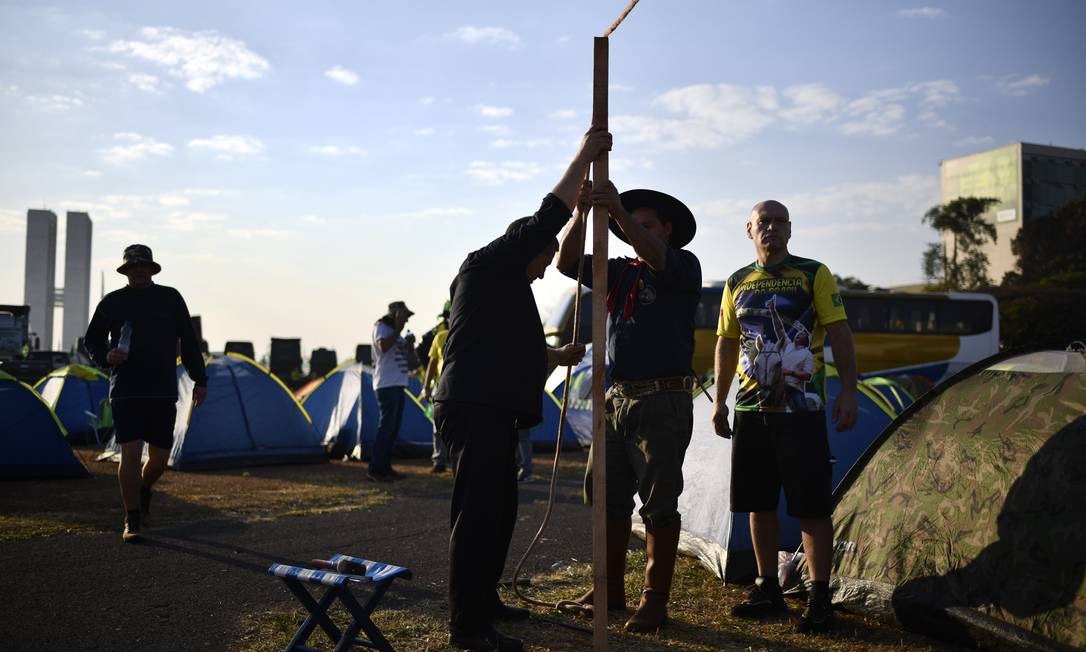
[39,284]
[77,270]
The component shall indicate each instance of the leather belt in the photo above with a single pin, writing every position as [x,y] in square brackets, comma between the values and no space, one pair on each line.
[638,388]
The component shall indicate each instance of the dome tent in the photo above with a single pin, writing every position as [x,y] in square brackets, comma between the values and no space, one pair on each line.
[967,517]
[32,439]
[249,418]
[79,395]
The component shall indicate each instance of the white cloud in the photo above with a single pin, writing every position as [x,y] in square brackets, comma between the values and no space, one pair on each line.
[135,147]
[203,59]
[486,35]
[810,103]
[57,103]
[11,221]
[424,131]
[228,147]
[342,75]
[91,173]
[311,219]
[496,173]
[336,150]
[563,114]
[619,88]
[190,222]
[922,12]
[147,83]
[1019,86]
[174,200]
[533,143]
[494,111]
[974,141]
[628,164]
[427,100]
[709,116]
[92,34]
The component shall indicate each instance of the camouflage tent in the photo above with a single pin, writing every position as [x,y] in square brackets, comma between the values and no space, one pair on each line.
[967,517]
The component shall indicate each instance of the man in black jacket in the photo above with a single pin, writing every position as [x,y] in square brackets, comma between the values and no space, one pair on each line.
[496,362]
[135,332]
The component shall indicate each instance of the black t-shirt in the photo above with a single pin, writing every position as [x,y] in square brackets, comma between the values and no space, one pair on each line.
[158,317]
[496,354]
[650,320]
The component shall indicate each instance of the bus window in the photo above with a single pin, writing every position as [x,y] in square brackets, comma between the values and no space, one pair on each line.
[965,317]
[708,313]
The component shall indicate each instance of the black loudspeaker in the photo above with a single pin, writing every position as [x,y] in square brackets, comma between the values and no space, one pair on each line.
[244,348]
[321,362]
[363,353]
[285,360]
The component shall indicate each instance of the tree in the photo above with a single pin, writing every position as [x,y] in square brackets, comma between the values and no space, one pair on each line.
[1052,246]
[850,283]
[961,265]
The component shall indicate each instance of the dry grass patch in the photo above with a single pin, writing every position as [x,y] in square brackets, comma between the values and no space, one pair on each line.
[698,612]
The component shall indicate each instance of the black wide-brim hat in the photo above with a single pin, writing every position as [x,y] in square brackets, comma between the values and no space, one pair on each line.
[138,253]
[683,226]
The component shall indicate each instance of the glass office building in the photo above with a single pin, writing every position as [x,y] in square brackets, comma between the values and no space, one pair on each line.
[1030,181]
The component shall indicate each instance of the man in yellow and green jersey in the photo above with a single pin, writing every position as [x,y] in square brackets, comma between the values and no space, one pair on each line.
[774,318]
[436,360]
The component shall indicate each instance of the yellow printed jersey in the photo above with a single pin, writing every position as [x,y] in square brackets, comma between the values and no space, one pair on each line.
[779,314]
[437,349]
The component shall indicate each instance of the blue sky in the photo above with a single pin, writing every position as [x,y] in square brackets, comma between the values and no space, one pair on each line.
[295,167]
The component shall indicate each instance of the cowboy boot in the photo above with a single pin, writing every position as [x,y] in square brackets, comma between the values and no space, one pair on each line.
[618,539]
[661,546]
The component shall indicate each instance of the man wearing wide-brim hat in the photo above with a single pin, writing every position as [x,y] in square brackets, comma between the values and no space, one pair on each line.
[134,332]
[651,302]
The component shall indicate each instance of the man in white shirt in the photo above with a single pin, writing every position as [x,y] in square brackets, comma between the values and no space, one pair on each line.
[390,371]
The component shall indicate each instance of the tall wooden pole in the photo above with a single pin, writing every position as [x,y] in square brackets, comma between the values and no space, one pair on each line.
[599,359]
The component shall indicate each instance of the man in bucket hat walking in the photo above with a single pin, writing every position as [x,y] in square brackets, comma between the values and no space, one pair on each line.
[135,332]
[651,302]
[390,371]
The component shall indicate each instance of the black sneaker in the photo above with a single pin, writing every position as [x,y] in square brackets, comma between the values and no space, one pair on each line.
[131,528]
[764,599]
[145,506]
[485,641]
[817,616]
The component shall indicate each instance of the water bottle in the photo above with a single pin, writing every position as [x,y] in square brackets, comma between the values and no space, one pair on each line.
[124,343]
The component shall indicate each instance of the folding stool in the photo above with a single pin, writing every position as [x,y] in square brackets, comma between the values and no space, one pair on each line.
[379,576]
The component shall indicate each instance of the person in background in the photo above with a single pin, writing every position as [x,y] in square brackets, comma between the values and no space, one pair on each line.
[434,344]
[390,370]
[135,332]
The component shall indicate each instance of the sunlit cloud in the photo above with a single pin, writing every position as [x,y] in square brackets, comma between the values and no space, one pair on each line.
[202,59]
[1019,86]
[227,147]
[342,75]
[337,150]
[486,35]
[922,12]
[134,147]
[494,111]
[497,173]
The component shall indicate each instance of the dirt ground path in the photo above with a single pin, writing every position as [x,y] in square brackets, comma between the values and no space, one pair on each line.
[191,584]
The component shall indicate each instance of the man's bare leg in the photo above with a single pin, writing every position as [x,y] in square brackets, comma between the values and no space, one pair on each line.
[817,544]
[155,465]
[128,474]
[765,535]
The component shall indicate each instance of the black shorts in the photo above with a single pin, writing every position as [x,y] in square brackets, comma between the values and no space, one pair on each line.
[147,419]
[773,450]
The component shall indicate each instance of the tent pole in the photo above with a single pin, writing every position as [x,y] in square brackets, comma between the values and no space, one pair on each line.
[599,358]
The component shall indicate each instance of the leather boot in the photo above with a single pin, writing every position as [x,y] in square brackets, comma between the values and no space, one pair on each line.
[618,540]
[661,546]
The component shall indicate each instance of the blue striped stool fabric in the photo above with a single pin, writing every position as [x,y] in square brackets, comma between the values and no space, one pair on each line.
[379,576]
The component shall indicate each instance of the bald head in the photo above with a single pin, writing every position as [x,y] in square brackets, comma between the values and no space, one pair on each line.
[770,228]
[769,207]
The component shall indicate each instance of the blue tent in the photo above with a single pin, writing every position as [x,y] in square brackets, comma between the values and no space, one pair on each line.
[344,409]
[711,532]
[79,395]
[579,409]
[32,443]
[337,412]
[544,435]
[250,417]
